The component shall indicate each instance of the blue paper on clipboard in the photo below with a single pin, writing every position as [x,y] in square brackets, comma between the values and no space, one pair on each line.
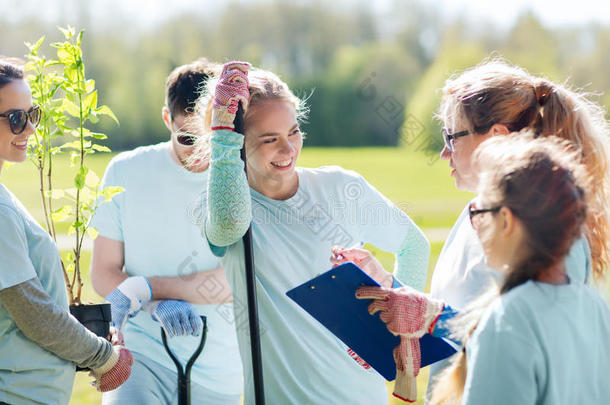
[330,298]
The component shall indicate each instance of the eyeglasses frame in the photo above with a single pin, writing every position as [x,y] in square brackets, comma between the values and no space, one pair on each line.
[472,212]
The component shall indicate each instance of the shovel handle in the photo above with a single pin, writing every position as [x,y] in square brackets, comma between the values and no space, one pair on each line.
[184,375]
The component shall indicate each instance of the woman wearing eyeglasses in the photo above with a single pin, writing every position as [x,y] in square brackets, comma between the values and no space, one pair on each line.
[495,99]
[40,342]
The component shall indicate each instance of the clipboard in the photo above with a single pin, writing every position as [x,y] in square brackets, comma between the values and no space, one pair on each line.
[330,298]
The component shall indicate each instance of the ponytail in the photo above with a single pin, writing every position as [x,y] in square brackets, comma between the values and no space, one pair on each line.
[569,115]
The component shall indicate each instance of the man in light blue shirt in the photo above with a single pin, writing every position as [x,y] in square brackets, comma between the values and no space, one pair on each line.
[149,262]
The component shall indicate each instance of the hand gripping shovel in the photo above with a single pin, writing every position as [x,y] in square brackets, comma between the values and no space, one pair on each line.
[184,375]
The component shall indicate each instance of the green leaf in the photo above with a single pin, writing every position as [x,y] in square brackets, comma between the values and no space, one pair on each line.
[71,230]
[79,179]
[92,232]
[52,94]
[36,47]
[68,32]
[51,62]
[71,74]
[79,39]
[75,145]
[70,108]
[100,148]
[70,267]
[61,214]
[69,256]
[111,191]
[64,55]
[92,116]
[92,180]
[105,110]
[97,135]
[90,85]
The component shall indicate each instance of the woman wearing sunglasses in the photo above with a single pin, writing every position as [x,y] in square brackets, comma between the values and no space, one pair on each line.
[40,342]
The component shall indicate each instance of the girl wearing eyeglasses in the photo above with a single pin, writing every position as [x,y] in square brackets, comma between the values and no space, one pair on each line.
[40,342]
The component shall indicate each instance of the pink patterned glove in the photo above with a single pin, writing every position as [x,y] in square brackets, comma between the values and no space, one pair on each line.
[115,371]
[232,88]
[408,360]
[409,314]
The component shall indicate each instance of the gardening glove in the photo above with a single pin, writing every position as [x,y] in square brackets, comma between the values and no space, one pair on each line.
[115,371]
[409,314]
[363,259]
[127,299]
[232,88]
[115,337]
[178,318]
[408,360]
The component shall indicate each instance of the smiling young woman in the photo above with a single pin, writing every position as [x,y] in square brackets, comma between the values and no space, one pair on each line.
[40,342]
[297,215]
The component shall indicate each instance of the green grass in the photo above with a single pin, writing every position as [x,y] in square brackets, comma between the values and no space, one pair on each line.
[425,191]
[422,189]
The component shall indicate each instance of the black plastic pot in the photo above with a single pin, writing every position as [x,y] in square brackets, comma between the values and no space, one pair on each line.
[95,317]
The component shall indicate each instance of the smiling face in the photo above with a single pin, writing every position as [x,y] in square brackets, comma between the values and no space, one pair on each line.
[15,95]
[273,144]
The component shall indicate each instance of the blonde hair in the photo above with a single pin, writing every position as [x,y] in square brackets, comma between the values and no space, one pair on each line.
[542,182]
[263,86]
[495,92]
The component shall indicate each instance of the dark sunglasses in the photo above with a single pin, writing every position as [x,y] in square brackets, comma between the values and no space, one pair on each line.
[18,119]
[473,211]
[186,139]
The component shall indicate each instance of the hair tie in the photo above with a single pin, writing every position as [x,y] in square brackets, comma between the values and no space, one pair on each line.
[542,91]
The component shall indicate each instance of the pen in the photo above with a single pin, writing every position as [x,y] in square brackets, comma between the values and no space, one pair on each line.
[356,246]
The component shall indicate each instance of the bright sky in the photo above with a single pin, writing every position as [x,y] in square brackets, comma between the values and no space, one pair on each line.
[148,12]
[551,12]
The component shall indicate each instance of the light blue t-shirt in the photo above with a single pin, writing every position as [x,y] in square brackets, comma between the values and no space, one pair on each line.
[157,217]
[29,374]
[461,274]
[541,344]
[304,363]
